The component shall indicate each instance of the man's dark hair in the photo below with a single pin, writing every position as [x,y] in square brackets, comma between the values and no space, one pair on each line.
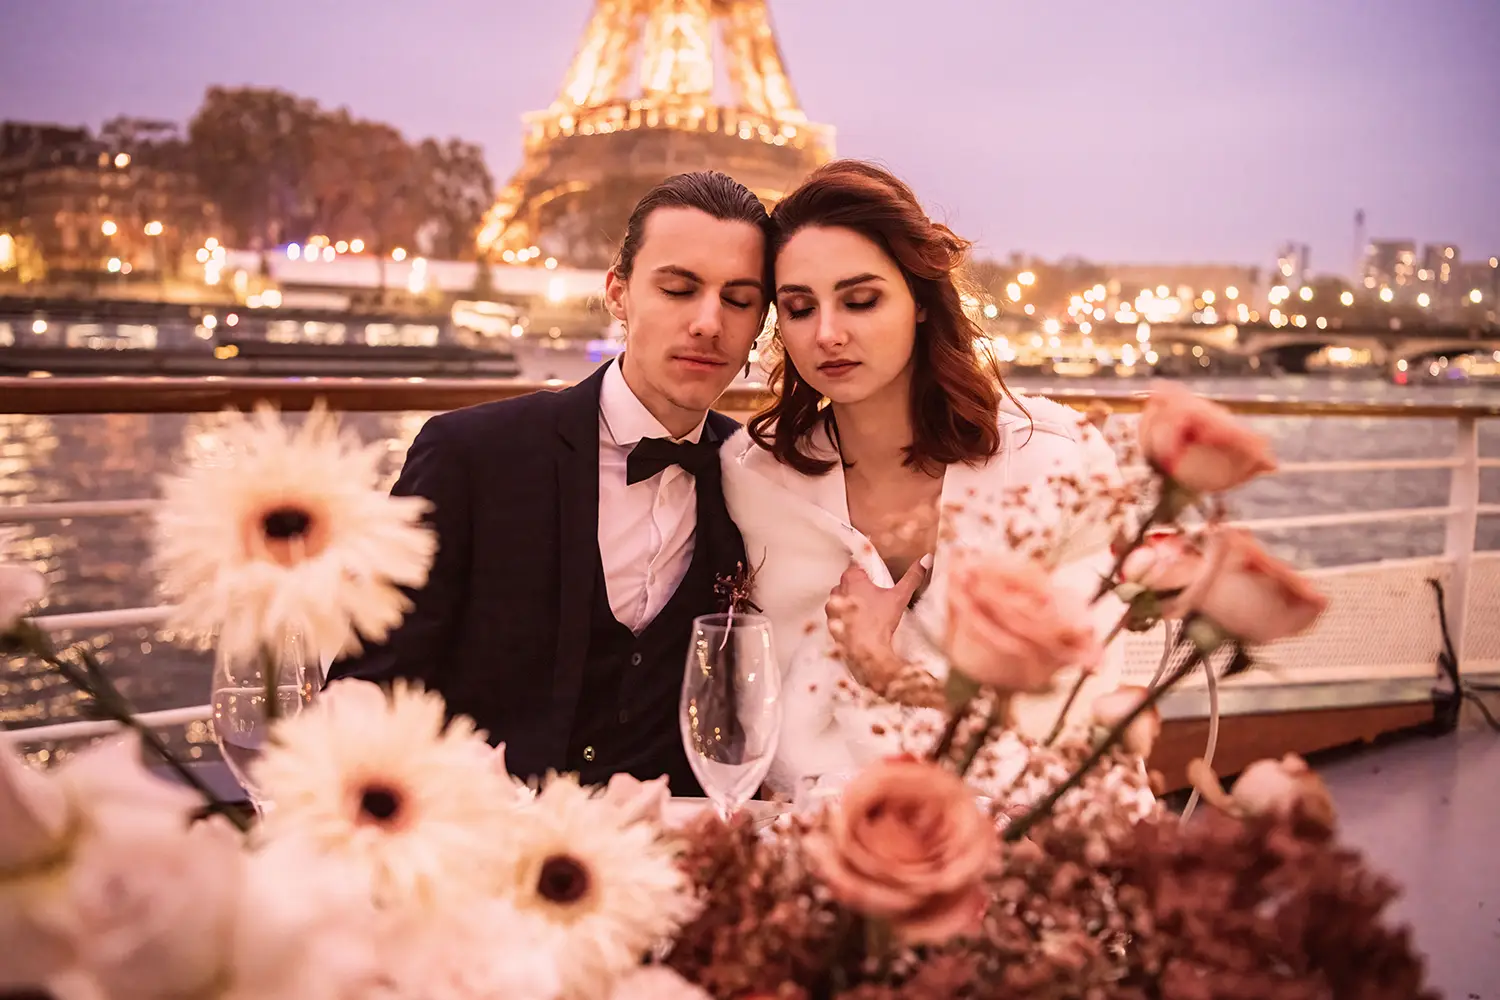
[710,191]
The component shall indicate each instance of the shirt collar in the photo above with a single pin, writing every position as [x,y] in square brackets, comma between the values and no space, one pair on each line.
[626,418]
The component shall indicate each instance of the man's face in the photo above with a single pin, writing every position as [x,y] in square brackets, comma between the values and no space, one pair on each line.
[694,304]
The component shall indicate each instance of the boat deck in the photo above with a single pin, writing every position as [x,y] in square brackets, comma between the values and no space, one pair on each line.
[1426,812]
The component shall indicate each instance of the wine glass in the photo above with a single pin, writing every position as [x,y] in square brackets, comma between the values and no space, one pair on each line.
[241,722]
[731,707]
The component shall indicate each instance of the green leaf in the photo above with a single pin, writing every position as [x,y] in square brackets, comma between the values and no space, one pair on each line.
[960,688]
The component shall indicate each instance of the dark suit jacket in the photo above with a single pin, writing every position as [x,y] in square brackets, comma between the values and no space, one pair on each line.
[501,629]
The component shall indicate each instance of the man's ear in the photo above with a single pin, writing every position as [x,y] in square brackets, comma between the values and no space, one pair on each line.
[614,295]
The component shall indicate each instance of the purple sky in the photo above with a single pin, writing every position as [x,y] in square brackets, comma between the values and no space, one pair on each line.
[1170,130]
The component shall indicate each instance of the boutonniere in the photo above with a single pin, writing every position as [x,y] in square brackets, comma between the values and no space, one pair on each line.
[733,590]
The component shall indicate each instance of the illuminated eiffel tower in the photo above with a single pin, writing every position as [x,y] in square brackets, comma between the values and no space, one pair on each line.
[642,101]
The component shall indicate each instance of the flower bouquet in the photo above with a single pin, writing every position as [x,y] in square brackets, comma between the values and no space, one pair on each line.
[396,857]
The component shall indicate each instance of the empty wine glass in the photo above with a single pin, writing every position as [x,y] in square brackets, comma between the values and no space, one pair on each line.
[731,707]
[241,720]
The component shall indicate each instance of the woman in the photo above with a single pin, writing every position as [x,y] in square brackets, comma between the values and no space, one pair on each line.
[919,457]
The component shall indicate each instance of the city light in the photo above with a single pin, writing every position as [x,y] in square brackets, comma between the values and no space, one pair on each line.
[109,228]
[154,228]
[1026,278]
[1052,326]
[1231,293]
[211,243]
[416,281]
[1322,322]
[1030,309]
[1306,293]
[508,256]
[1476,296]
[1208,298]
[1013,290]
[7,251]
[991,311]
[113,265]
[1162,291]
[122,160]
[329,253]
[557,290]
[357,246]
[550,263]
[39,326]
[1347,298]
[1386,295]
[398,254]
[1424,300]
[342,246]
[293,251]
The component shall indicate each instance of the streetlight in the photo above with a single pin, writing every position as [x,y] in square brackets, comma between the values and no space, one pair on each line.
[1306,293]
[1476,296]
[1386,294]
[109,228]
[1026,278]
[1424,300]
[1347,298]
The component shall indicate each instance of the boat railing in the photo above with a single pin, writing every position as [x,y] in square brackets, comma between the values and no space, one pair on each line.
[1379,642]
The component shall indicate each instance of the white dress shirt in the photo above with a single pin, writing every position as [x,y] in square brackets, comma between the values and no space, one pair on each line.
[645,529]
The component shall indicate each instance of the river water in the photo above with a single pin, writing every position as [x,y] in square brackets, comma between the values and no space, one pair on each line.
[102,563]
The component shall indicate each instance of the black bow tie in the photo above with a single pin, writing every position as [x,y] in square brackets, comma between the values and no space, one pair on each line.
[652,455]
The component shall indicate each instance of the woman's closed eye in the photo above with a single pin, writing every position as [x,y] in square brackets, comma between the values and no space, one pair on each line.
[861,302]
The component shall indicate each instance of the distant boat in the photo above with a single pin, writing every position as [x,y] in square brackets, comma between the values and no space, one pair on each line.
[136,338]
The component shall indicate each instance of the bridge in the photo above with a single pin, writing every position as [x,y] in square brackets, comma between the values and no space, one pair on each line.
[1290,346]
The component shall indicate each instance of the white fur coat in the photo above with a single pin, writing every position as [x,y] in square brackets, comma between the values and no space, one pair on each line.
[799,541]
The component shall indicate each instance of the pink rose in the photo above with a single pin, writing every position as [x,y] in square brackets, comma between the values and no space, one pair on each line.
[1141,735]
[1165,560]
[1286,788]
[1011,629]
[1247,593]
[907,843]
[1198,444]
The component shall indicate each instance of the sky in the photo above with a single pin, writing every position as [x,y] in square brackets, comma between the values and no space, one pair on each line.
[1157,131]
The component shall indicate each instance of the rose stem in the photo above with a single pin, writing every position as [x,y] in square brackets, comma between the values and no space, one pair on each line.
[1062,717]
[113,706]
[1019,828]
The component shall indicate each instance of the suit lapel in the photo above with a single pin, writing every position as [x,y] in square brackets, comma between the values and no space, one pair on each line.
[578,543]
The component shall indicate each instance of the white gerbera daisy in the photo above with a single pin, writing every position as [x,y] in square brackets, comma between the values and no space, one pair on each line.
[383,782]
[607,888]
[275,528]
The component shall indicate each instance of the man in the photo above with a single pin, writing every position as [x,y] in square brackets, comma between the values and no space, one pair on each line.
[581,532]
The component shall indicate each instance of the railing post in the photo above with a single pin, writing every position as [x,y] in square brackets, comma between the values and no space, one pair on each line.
[1463,523]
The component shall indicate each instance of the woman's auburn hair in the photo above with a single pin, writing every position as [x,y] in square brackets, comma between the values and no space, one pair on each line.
[955,392]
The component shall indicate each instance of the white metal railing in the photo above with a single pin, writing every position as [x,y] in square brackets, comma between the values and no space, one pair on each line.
[1461,515]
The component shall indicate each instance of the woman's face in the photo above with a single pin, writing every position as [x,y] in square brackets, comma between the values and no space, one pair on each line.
[847,318]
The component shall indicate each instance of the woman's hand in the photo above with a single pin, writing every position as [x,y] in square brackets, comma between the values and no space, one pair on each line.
[862,619]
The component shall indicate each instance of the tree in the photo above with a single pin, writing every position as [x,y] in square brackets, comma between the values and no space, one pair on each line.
[459,191]
[250,149]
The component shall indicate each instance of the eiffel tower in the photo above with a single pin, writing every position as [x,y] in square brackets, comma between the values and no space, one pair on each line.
[642,102]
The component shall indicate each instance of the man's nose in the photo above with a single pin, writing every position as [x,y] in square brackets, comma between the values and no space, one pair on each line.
[708,320]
